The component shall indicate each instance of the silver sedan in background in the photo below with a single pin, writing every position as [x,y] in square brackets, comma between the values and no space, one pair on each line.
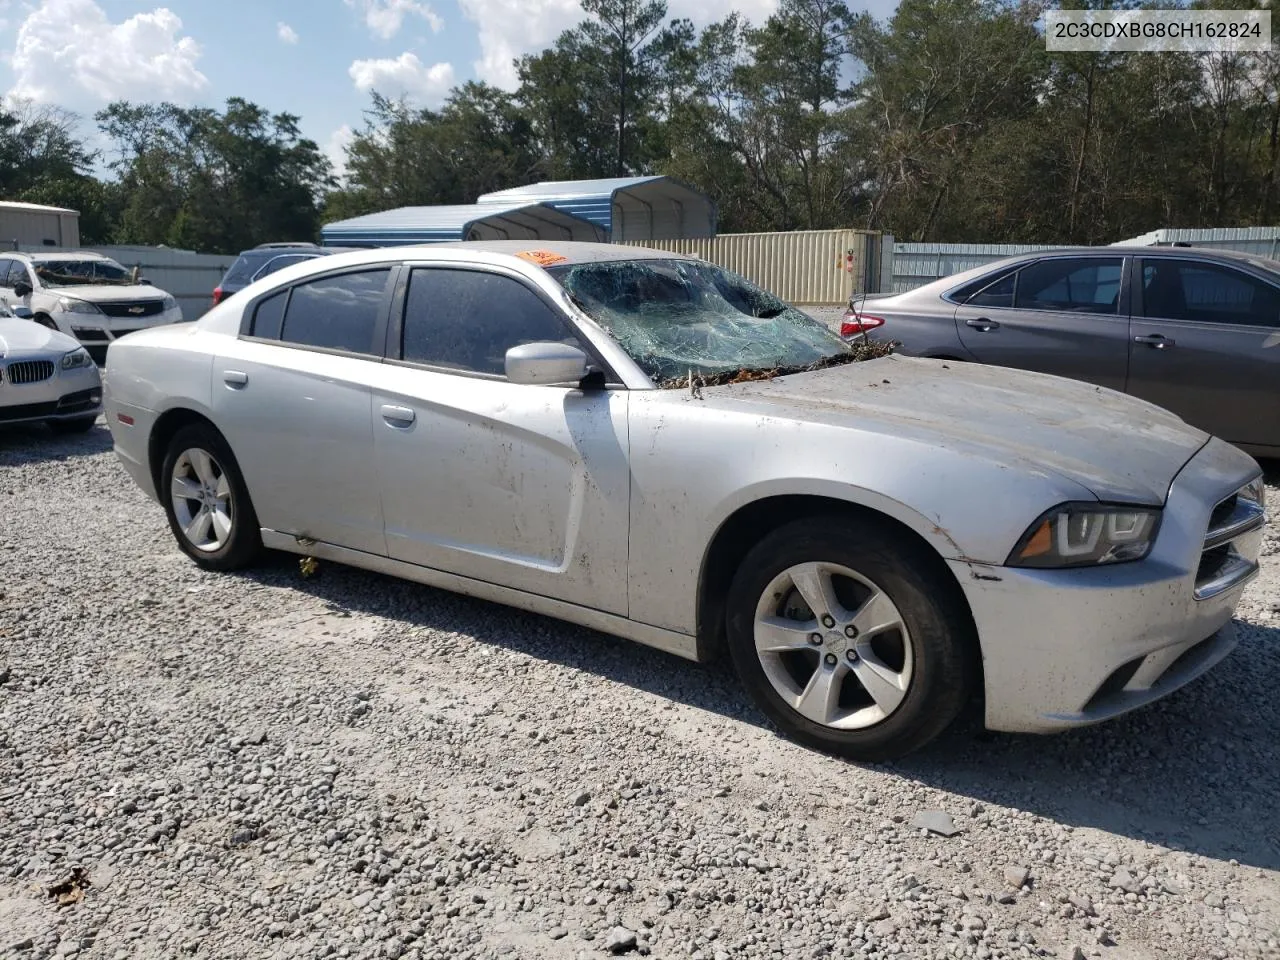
[649,445]
[1195,331]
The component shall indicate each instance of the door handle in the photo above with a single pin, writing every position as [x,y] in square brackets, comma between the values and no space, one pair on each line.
[1155,340]
[235,378]
[983,324]
[397,416]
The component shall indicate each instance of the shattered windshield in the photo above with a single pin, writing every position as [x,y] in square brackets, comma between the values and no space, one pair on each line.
[79,273]
[683,318]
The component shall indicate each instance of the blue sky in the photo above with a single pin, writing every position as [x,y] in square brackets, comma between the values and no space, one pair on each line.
[315,58]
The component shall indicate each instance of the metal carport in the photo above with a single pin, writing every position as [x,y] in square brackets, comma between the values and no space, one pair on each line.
[627,208]
[514,220]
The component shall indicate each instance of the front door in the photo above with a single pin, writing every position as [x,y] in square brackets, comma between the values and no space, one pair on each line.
[1060,315]
[520,485]
[1206,345]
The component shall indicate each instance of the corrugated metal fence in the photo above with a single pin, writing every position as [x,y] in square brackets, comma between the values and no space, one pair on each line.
[188,277]
[1258,241]
[804,267]
[915,264]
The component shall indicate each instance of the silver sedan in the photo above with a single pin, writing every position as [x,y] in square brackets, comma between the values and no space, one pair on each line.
[651,446]
[45,377]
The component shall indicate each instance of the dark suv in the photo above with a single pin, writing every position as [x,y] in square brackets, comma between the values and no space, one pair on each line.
[264,259]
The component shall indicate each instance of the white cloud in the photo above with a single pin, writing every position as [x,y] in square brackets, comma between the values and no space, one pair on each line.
[384,18]
[405,76]
[335,149]
[68,52]
[286,33]
[510,28]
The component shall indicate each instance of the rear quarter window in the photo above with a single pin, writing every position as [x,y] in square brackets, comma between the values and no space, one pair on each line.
[242,271]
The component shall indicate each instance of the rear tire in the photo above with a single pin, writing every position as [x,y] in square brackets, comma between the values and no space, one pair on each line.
[206,500]
[78,425]
[878,664]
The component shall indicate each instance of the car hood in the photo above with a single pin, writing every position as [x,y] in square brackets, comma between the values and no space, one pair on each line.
[25,336]
[1120,448]
[108,293]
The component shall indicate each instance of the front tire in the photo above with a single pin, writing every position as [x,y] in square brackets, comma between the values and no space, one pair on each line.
[206,500]
[851,637]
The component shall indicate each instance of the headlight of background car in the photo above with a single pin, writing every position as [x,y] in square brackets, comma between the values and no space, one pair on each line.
[1255,491]
[71,305]
[170,304]
[79,357]
[1087,534]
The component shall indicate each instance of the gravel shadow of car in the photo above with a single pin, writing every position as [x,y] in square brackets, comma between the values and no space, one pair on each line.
[1198,771]
[22,444]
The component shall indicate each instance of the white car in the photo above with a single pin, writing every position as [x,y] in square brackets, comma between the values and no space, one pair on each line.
[84,295]
[649,445]
[45,376]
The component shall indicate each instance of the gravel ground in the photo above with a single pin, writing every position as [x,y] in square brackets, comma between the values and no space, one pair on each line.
[352,766]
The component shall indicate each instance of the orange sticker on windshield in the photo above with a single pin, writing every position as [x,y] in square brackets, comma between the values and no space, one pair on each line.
[543,258]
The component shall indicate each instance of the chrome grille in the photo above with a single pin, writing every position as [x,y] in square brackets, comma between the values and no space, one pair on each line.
[29,371]
[1222,567]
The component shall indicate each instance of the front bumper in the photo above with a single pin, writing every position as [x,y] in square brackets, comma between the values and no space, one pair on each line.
[67,395]
[1066,648]
[97,333]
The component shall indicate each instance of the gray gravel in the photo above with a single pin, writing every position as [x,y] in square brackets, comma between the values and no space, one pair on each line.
[351,766]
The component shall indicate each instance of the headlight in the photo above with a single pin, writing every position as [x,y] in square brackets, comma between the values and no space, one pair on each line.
[71,305]
[79,357]
[170,304]
[1255,492]
[1087,534]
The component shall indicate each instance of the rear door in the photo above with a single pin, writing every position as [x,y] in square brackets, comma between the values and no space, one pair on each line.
[1066,316]
[1206,345]
[293,394]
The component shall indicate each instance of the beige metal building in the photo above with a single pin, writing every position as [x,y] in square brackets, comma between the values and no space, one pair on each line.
[33,225]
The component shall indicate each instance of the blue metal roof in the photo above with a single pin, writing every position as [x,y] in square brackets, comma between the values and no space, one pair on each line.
[649,208]
[516,220]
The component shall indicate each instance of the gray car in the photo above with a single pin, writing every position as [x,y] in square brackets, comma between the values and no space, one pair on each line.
[1194,331]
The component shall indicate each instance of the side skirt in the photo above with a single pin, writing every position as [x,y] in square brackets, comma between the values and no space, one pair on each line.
[665,640]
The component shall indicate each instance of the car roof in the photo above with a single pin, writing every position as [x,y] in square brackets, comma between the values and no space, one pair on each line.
[951,281]
[573,251]
[60,255]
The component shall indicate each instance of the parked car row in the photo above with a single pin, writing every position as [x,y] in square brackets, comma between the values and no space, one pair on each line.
[1194,331]
[84,295]
[650,445]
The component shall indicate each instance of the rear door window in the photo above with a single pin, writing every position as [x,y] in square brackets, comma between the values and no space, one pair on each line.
[1071,284]
[268,316]
[998,294]
[1207,293]
[337,313]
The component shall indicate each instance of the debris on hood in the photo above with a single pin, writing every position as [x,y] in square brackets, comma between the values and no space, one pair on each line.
[864,350]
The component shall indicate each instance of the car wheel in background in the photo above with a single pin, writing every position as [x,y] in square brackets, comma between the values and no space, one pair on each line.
[78,425]
[850,637]
[207,502]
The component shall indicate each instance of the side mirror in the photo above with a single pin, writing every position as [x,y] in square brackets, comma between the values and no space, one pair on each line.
[21,312]
[545,363]
[22,288]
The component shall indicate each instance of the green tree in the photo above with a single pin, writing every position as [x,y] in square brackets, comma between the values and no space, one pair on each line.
[214,181]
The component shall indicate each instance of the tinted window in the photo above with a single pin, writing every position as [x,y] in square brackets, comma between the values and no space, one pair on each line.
[339,313]
[1189,290]
[6,280]
[241,272]
[1080,286]
[468,320]
[278,263]
[269,315]
[998,294]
